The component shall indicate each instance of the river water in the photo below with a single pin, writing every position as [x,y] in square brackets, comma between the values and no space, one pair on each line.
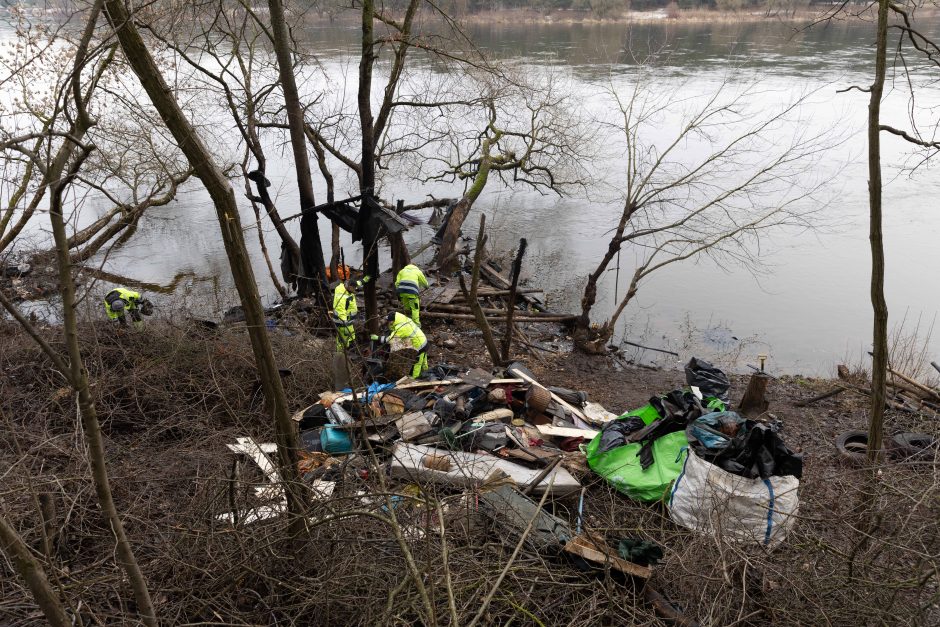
[807,306]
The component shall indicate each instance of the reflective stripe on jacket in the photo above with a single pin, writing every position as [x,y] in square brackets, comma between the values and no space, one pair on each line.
[410,280]
[344,306]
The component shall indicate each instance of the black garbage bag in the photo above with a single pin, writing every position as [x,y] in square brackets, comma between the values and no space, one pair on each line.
[676,408]
[707,378]
[742,447]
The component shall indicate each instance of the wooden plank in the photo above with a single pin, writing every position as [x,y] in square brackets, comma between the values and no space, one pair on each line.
[447,315]
[583,546]
[566,432]
[249,447]
[577,412]
[502,282]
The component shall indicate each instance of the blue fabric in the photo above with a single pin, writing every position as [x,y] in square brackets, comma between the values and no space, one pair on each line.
[770,512]
[371,391]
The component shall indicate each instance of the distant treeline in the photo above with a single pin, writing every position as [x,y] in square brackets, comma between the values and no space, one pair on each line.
[605,8]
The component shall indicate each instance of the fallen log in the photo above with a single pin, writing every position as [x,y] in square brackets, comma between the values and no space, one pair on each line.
[821,397]
[492,310]
[488,292]
[446,315]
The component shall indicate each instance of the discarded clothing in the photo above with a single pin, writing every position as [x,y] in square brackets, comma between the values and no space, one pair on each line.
[642,552]
[616,432]
[742,447]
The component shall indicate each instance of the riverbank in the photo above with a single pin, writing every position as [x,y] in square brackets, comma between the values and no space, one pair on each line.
[172,396]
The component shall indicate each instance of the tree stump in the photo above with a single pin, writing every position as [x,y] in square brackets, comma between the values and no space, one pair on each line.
[754,402]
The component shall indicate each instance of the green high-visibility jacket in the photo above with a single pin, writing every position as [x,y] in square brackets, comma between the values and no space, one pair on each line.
[404,327]
[410,280]
[131,300]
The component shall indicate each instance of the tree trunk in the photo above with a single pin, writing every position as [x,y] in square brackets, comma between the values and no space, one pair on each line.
[314,281]
[879,306]
[32,574]
[471,296]
[78,377]
[447,255]
[223,197]
[511,307]
[370,246]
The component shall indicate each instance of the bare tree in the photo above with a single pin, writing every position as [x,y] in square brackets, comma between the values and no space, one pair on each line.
[131,169]
[742,179]
[879,369]
[311,251]
[64,170]
[141,61]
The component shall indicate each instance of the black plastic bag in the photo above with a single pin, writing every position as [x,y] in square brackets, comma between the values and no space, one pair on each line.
[707,378]
[742,447]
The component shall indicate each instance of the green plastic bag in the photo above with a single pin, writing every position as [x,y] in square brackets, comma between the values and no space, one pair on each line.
[621,466]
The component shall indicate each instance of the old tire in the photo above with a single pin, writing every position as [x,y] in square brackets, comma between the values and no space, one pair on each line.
[853,446]
[906,445]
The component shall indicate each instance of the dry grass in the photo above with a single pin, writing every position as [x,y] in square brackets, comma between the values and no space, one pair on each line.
[172,397]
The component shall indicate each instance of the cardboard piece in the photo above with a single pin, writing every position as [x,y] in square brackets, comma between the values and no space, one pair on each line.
[413,425]
[566,432]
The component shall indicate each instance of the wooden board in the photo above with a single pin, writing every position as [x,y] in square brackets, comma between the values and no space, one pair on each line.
[439,295]
[583,546]
[566,432]
[502,282]
[471,469]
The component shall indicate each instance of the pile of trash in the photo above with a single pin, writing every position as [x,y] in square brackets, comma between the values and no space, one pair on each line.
[461,428]
[510,440]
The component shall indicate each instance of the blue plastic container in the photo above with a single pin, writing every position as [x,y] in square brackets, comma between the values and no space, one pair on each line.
[335,441]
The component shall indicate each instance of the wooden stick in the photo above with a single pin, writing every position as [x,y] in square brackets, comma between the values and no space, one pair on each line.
[650,348]
[492,310]
[541,476]
[471,296]
[821,397]
[511,307]
[496,292]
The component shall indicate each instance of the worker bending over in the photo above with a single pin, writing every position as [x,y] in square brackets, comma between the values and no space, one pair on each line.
[403,327]
[121,301]
[409,283]
[345,311]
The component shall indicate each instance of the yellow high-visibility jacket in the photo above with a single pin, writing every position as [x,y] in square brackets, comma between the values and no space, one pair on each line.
[404,327]
[131,301]
[344,306]
[410,280]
